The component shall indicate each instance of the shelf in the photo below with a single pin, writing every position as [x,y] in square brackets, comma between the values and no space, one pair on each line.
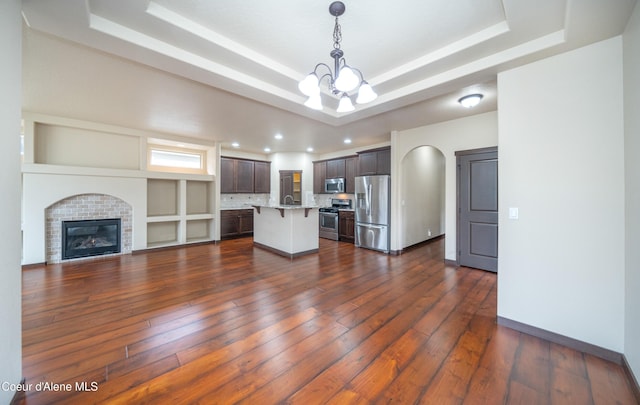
[163,218]
[198,197]
[162,197]
[198,230]
[179,211]
[162,233]
[199,217]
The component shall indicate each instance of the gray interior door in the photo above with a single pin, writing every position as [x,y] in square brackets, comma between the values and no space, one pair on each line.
[286,187]
[478,208]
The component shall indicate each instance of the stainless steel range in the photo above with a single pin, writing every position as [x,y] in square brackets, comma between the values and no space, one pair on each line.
[329,217]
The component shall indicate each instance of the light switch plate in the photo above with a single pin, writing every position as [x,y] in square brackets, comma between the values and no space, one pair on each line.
[513,213]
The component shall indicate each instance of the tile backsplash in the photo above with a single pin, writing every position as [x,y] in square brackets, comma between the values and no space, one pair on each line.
[241,200]
[309,199]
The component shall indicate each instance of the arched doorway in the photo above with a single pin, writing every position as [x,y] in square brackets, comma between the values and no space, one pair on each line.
[422,195]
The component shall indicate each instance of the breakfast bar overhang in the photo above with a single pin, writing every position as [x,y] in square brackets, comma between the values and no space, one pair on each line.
[287,230]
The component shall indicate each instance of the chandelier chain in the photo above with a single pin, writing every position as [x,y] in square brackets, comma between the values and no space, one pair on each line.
[337,35]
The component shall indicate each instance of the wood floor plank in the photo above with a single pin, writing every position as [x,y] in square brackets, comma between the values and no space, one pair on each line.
[532,366]
[361,383]
[441,337]
[489,383]
[334,378]
[382,326]
[228,322]
[451,383]
[609,384]
[190,372]
[265,363]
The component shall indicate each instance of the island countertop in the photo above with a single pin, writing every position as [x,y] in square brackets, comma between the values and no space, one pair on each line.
[284,208]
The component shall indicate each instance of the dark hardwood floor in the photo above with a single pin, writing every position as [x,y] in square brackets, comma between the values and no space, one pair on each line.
[232,323]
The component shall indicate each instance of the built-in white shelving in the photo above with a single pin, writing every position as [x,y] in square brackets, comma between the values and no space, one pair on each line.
[179,211]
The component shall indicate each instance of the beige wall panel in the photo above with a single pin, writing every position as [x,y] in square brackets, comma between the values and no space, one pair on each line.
[82,147]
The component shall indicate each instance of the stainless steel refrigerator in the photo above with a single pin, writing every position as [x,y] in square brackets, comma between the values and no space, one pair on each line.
[373,212]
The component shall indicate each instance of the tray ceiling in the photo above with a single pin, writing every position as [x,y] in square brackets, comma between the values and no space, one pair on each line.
[413,52]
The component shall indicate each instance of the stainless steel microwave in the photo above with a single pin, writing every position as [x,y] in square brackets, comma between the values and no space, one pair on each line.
[334,185]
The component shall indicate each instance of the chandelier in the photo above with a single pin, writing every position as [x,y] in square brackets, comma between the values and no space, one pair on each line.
[341,80]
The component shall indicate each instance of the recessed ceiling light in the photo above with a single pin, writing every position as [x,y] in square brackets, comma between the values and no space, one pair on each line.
[267,149]
[278,136]
[471,100]
[235,145]
[309,149]
[347,141]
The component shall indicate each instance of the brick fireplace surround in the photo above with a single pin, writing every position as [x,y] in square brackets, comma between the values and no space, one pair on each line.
[83,207]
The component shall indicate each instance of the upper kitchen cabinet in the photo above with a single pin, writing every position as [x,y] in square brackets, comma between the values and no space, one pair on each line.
[227,175]
[345,167]
[319,176]
[262,177]
[374,161]
[244,176]
[350,171]
[335,168]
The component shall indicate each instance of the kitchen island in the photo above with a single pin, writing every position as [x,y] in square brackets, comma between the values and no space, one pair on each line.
[287,230]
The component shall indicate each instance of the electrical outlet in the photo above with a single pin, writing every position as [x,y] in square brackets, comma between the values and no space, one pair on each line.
[428,232]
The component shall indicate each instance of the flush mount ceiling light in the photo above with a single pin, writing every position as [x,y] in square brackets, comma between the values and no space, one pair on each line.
[471,100]
[341,80]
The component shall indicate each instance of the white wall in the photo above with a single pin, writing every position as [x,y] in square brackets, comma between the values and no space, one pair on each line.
[10,275]
[40,190]
[292,161]
[423,192]
[561,265]
[477,131]
[631,49]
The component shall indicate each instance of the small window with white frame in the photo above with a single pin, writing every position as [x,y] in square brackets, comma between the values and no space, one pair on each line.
[175,159]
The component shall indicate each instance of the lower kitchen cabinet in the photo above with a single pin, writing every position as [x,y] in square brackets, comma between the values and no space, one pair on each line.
[346,226]
[236,223]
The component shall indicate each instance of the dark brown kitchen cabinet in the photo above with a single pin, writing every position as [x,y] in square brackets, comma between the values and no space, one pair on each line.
[319,175]
[351,165]
[262,177]
[367,163]
[244,176]
[236,223]
[383,164]
[375,161]
[346,226]
[335,168]
[245,225]
[236,175]
[227,175]
[345,167]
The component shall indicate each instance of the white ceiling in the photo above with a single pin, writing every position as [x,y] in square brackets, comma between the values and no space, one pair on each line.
[420,56]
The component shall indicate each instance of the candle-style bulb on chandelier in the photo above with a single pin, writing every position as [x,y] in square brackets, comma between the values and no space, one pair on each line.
[341,80]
